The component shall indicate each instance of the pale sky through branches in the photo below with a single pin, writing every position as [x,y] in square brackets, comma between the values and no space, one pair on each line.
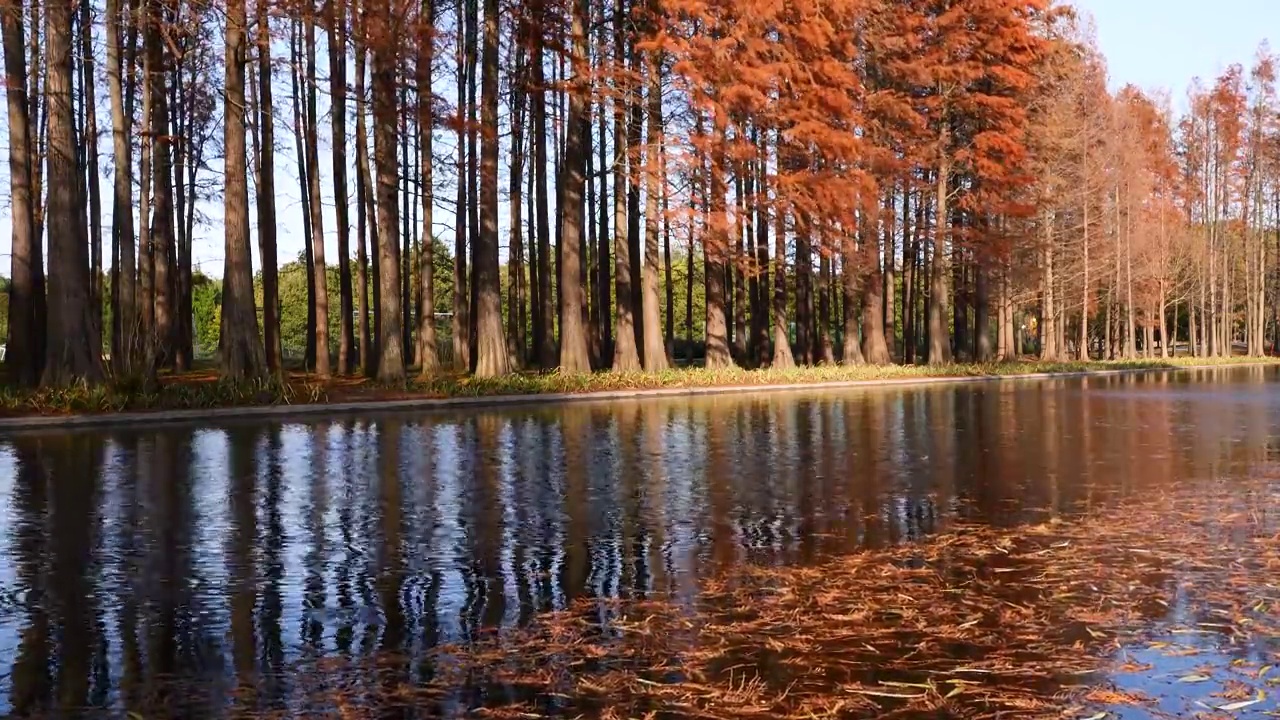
[1154,44]
[1163,44]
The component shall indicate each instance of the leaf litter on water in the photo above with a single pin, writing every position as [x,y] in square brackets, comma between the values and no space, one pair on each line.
[976,622]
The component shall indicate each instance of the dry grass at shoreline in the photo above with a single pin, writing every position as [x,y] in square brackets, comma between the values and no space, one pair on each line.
[975,623]
[204,390]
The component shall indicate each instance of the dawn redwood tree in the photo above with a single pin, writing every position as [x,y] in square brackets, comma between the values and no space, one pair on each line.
[428,354]
[626,356]
[73,352]
[265,196]
[22,354]
[240,348]
[366,220]
[604,241]
[782,358]
[297,87]
[337,37]
[320,297]
[491,344]
[517,298]
[655,351]
[163,246]
[544,325]
[382,33]
[715,253]
[461,298]
[124,344]
[89,141]
[874,348]
[574,354]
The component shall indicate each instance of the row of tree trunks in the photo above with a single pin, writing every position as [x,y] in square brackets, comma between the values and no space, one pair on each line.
[910,281]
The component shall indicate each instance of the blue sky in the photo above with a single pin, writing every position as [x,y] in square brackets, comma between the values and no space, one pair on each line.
[1158,44]
[1154,44]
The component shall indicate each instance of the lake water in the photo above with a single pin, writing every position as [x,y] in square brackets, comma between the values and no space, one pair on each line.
[217,557]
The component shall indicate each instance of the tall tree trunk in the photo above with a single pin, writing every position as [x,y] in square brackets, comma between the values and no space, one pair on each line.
[240,349]
[472,39]
[939,339]
[1162,309]
[266,197]
[700,183]
[669,330]
[37,112]
[782,357]
[635,243]
[428,354]
[1049,351]
[604,241]
[460,325]
[337,37]
[733,271]
[408,215]
[162,240]
[390,351]
[910,259]
[760,313]
[366,221]
[874,348]
[186,167]
[296,81]
[22,354]
[655,352]
[146,266]
[805,325]
[491,348]
[715,249]
[982,312]
[89,96]
[626,356]
[516,343]
[852,350]
[1084,288]
[826,349]
[1130,333]
[960,300]
[124,272]
[319,271]
[590,273]
[890,282]
[543,330]
[574,356]
[535,290]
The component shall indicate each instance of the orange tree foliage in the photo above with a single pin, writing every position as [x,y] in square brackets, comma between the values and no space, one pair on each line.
[860,95]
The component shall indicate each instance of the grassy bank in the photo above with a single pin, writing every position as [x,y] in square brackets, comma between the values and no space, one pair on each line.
[204,390]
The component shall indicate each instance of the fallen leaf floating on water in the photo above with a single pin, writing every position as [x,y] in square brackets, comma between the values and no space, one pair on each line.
[1099,716]
[1194,679]
[1232,707]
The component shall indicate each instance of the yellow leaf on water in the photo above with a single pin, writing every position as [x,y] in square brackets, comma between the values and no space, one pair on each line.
[1194,679]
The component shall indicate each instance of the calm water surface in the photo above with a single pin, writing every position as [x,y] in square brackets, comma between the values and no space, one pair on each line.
[219,556]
